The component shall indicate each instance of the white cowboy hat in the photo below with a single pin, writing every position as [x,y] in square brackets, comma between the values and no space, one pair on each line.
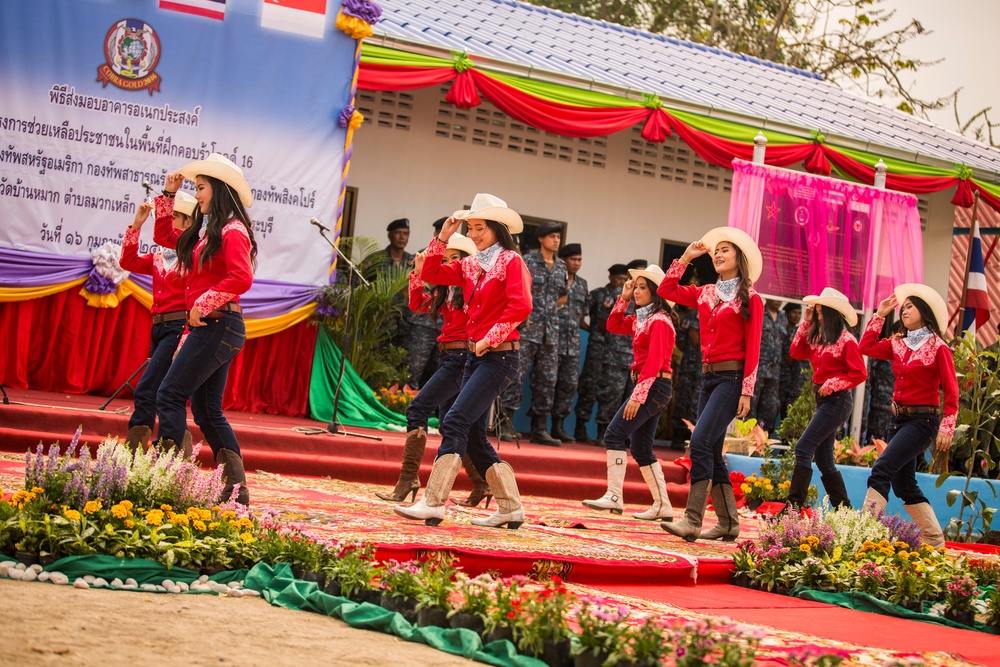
[488,207]
[463,243]
[831,298]
[929,296]
[220,167]
[741,240]
[184,203]
[653,274]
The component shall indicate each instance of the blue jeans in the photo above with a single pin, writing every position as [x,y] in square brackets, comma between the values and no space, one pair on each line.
[816,441]
[163,342]
[896,467]
[642,427]
[463,429]
[717,405]
[199,372]
[439,390]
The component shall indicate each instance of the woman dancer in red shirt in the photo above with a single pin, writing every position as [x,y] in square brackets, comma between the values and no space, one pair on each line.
[923,366]
[217,255]
[824,339]
[499,298]
[730,316]
[653,336]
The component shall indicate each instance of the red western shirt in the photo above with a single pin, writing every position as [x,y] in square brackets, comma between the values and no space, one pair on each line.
[455,319]
[921,374]
[221,278]
[725,335]
[168,283]
[652,345]
[835,367]
[496,300]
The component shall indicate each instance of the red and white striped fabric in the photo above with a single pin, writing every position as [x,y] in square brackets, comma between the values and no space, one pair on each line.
[977,300]
[305,17]
[213,9]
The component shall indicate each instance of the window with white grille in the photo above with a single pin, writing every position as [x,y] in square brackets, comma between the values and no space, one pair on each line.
[674,161]
[389,109]
[485,125]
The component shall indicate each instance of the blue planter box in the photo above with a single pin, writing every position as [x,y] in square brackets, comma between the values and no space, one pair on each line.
[856,481]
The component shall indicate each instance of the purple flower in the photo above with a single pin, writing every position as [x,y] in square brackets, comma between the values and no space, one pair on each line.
[345,115]
[98,284]
[365,10]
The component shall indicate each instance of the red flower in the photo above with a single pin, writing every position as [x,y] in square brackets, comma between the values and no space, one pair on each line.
[511,614]
[736,478]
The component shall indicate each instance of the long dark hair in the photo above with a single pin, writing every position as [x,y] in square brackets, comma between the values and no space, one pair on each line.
[827,331]
[658,302]
[503,235]
[744,284]
[440,294]
[221,210]
[926,314]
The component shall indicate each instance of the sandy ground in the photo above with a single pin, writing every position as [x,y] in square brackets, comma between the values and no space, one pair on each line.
[44,624]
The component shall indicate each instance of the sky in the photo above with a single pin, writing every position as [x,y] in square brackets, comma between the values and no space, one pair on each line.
[964,35]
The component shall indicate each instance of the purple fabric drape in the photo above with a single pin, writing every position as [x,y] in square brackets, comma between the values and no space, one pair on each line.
[24,269]
[815,232]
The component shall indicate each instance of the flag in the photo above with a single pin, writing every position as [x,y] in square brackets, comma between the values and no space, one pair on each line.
[977,300]
[305,17]
[213,9]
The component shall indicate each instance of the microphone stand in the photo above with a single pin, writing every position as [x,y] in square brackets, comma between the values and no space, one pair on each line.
[334,426]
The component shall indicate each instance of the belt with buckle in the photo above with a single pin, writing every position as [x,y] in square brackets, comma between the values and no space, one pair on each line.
[661,374]
[230,307]
[898,409]
[502,347]
[454,345]
[722,366]
[160,318]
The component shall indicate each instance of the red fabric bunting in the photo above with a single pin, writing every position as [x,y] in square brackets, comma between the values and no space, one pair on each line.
[402,77]
[59,343]
[463,92]
[657,127]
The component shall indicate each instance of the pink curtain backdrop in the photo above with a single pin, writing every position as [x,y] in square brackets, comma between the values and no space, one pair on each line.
[816,232]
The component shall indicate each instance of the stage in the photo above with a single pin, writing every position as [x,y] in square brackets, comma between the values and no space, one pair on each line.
[325,484]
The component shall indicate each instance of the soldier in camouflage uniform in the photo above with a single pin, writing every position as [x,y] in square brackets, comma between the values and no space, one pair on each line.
[687,384]
[421,356]
[571,320]
[878,394]
[540,335]
[791,378]
[766,395]
[601,301]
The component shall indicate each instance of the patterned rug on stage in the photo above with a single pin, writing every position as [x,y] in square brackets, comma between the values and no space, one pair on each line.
[560,537]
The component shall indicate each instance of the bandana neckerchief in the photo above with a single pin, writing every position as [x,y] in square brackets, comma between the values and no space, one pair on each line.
[915,339]
[487,258]
[726,289]
[169,257]
[642,314]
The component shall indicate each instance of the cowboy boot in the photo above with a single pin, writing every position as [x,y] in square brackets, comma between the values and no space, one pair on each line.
[558,432]
[799,490]
[138,437]
[580,433]
[930,530]
[500,477]
[601,430]
[727,528]
[430,507]
[661,509]
[836,490]
[539,435]
[409,478]
[232,474]
[480,489]
[690,526]
[874,501]
[612,498]
[187,444]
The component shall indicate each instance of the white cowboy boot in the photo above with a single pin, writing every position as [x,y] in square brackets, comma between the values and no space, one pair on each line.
[612,498]
[430,507]
[661,509]
[500,477]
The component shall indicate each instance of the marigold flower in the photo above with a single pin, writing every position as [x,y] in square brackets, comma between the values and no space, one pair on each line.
[235,524]
[119,511]
[127,504]
[180,519]
[213,525]
[154,517]
[92,506]
[166,508]
[228,515]
[246,537]
[246,523]
[37,490]
[72,515]
[129,523]
[805,548]
[198,525]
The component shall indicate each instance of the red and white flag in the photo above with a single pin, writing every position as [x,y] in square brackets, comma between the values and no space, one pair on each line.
[213,9]
[305,17]
[977,299]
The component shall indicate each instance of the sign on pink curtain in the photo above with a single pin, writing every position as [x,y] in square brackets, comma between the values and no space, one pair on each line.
[817,232]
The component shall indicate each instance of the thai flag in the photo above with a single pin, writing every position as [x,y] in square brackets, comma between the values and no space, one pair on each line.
[977,300]
[305,17]
[213,9]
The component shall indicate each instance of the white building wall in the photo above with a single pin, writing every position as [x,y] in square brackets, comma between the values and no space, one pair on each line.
[619,196]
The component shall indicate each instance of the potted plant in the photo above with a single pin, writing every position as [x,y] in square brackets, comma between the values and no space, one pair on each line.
[401,584]
[646,642]
[356,571]
[475,601]
[993,608]
[603,634]
[541,625]
[436,586]
[501,620]
[959,598]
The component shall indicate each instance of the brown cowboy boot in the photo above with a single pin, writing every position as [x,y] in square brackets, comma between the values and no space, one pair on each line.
[430,508]
[138,437]
[187,444]
[232,474]
[480,489]
[409,478]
